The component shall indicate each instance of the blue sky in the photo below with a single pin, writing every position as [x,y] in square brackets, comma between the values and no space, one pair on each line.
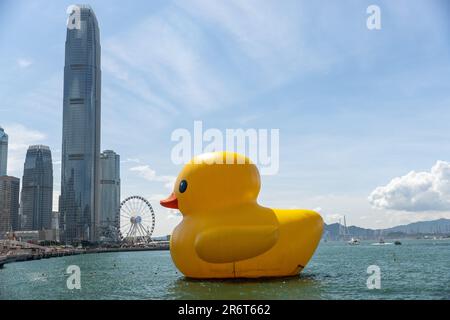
[356,108]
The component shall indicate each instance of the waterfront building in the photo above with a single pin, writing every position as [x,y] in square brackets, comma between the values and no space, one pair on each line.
[37,189]
[3,152]
[27,236]
[80,205]
[9,204]
[109,192]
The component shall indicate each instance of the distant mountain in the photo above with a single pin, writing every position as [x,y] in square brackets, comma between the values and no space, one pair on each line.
[440,226]
[434,227]
[331,231]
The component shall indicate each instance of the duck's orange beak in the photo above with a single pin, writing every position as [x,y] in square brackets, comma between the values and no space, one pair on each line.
[170,202]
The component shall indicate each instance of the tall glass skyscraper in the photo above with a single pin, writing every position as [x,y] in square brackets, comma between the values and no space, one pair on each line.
[80,204]
[3,152]
[37,189]
[109,192]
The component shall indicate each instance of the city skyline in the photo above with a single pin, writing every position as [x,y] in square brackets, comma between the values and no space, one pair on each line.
[90,192]
[350,120]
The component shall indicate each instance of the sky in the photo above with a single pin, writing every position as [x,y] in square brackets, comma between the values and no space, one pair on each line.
[363,115]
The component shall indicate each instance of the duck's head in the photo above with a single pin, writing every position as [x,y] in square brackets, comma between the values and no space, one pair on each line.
[214,180]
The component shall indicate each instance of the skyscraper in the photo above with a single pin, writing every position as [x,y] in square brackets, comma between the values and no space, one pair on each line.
[81,127]
[9,204]
[109,190]
[3,152]
[37,189]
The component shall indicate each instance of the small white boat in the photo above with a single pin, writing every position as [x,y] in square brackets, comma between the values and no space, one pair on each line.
[353,241]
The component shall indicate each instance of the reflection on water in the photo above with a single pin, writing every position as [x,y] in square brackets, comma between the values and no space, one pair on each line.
[418,269]
[304,286]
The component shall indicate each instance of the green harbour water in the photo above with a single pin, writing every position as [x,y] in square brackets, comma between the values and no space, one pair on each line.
[417,269]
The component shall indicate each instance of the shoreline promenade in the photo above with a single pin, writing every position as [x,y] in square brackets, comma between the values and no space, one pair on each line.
[27,252]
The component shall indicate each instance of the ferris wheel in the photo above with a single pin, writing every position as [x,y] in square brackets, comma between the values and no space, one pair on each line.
[136,220]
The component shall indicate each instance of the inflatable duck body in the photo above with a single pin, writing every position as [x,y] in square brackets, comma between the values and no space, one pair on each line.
[225,233]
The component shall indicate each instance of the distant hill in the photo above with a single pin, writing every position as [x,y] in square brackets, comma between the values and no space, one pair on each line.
[331,231]
[421,228]
[440,226]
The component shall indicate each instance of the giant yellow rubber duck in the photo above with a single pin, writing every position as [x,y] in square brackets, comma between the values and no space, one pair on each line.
[225,233]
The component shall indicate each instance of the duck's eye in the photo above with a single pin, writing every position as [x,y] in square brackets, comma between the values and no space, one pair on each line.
[183,186]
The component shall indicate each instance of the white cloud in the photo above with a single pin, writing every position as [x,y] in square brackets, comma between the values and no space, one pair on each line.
[166,219]
[416,191]
[267,36]
[329,217]
[333,218]
[157,197]
[24,63]
[20,138]
[356,208]
[131,160]
[149,174]
[166,65]
[255,28]
[174,214]
[201,56]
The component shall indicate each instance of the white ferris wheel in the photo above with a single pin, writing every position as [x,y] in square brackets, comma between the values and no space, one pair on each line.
[136,220]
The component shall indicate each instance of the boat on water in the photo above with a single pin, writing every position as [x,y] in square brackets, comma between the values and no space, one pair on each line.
[353,241]
[397,243]
[381,242]
[344,234]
